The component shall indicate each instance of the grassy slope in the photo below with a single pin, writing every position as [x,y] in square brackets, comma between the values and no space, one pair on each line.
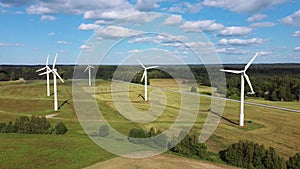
[74,150]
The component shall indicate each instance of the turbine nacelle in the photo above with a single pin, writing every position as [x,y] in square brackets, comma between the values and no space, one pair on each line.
[89,67]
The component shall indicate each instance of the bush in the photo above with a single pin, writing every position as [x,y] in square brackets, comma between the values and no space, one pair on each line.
[136,133]
[60,128]
[104,131]
[251,155]
[294,162]
[189,146]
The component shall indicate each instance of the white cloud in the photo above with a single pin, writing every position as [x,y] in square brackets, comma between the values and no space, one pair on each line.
[201,26]
[265,53]
[85,47]
[198,45]
[63,42]
[173,20]
[293,19]
[51,34]
[116,32]
[2,44]
[186,7]
[47,18]
[163,40]
[242,42]
[257,17]
[242,6]
[135,51]
[88,27]
[40,10]
[235,31]
[296,34]
[297,49]
[262,24]
[109,14]
[232,51]
[147,5]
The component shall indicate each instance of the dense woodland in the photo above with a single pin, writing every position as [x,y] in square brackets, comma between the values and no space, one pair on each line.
[275,82]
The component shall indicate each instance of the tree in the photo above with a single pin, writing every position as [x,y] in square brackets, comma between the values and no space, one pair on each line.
[294,162]
[60,128]
[251,155]
[104,130]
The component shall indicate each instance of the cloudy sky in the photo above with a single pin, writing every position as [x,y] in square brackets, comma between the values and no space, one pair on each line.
[32,29]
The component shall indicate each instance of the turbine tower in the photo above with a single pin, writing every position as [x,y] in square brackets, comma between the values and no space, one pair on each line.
[145,77]
[47,70]
[243,77]
[55,74]
[88,68]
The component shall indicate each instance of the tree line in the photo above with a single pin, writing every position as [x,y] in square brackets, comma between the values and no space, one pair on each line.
[275,82]
[33,125]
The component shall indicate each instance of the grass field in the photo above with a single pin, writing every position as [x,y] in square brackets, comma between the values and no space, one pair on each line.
[75,150]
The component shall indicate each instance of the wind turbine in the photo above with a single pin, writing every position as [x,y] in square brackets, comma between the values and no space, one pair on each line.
[145,77]
[89,67]
[47,70]
[243,77]
[55,74]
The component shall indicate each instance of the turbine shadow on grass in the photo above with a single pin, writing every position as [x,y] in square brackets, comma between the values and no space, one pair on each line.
[141,96]
[65,102]
[226,119]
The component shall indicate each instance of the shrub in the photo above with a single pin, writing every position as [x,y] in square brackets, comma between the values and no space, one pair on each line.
[60,128]
[294,162]
[104,131]
[251,155]
[136,133]
[189,146]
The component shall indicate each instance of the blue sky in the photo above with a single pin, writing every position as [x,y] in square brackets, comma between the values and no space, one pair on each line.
[32,29]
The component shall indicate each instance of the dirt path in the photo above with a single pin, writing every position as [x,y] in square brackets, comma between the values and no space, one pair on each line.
[164,161]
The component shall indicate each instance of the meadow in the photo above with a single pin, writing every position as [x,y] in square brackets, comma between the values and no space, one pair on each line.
[270,127]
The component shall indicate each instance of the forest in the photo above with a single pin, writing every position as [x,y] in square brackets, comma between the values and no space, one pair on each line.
[275,82]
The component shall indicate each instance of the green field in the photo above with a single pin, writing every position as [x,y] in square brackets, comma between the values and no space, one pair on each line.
[75,150]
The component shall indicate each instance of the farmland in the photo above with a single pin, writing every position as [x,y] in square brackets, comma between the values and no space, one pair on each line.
[270,127]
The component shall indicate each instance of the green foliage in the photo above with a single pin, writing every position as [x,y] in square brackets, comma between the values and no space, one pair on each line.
[152,138]
[33,125]
[194,89]
[104,130]
[294,162]
[189,146]
[60,128]
[252,155]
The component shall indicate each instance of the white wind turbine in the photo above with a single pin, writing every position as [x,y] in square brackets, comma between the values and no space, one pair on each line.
[47,70]
[145,77]
[243,77]
[55,74]
[88,68]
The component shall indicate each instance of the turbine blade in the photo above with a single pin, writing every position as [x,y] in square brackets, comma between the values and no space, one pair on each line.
[232,71]
[56,74]
[47,60]
[144,74]
[53,66]
[249,83]
[92,67]
[251,61]
[87,68]
[152,67]
[41,69]
[45,72]
[141,63]
[48,68]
